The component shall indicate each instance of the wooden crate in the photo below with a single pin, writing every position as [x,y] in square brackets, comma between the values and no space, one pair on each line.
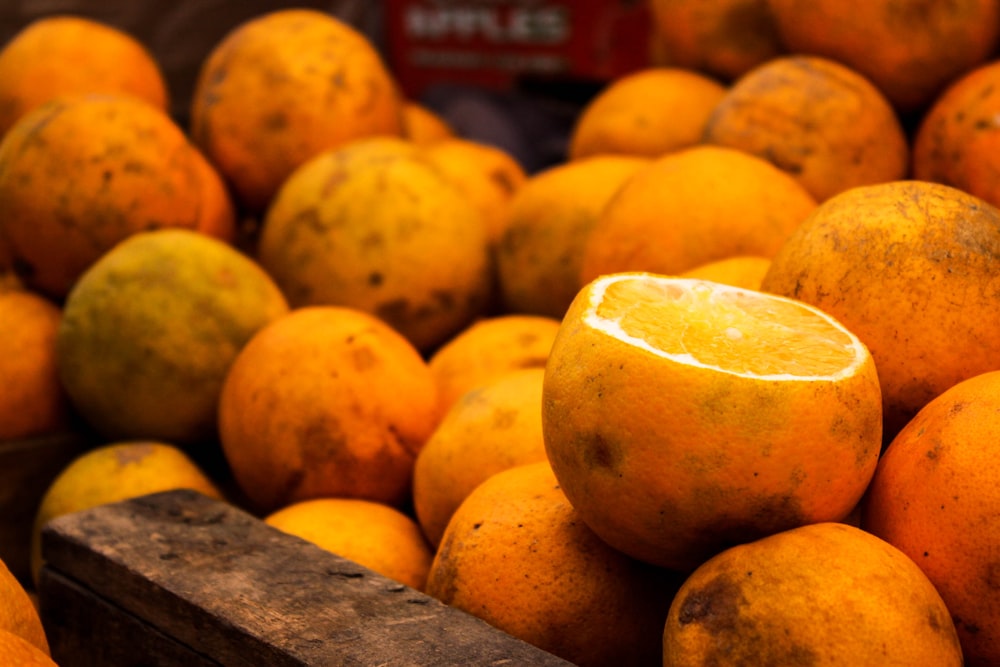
[27,468]
[176,578]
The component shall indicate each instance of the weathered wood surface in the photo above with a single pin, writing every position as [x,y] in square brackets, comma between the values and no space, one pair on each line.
[27,468]
[180,568]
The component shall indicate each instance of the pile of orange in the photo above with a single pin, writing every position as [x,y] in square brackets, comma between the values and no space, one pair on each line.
[721,387]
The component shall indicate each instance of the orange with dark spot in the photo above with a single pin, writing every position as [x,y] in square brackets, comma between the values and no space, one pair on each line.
[822,594]
[327,401]
[935,497]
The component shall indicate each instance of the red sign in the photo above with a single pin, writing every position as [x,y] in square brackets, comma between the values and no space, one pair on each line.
[493,43]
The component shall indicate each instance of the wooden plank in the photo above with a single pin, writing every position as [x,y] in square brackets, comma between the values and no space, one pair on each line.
[227,586]
[27,468]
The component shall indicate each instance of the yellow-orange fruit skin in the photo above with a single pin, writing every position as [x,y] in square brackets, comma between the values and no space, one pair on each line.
[934,496]
[822,594]
[283,87]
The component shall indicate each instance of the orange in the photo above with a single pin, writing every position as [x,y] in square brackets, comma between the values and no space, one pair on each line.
[647,113]
[60,55]
[816,119]
[823,594]
[150,330]
[391,237]
[722,38]
[79,174]
[517,555]
[935,497]
[117,471]
[958,140]
[371,534]
[283,87]
[487,175]
[33,401]
[18,652]
[909,50]
[691,207]
[539,253]
[684,416]
[18,613]
[327,401]
[913,269]
[487,349]
[741,271]
[493,427]
[423,126]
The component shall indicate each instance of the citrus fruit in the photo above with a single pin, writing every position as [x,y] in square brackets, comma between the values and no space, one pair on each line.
[517,555]
[647,113]
[423,126]
[493,427]
[392,238]
[934,496]
[957,142]
[691,207]
[684,416]
[909,50]
[489,348]
[150,329]
[740,271]
[817,119]
[539,252]
[113,472]
[723,38]
[486,175]
[326,401]
[913,269]
[18,613]
[822,594]
[62,54]
[19,652]
[372,534]
[33,401]
[281,88]
[79,174]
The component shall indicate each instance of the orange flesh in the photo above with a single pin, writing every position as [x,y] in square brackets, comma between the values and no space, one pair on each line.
[734,330]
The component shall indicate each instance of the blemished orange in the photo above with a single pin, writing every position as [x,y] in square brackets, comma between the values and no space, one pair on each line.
[486,175]
[375,535]
[818,120]
[517,555]
[539,254]
[326,401]
[493,427]
[909,50]
[283,87]
[18,613]
[61,55]
[18,652]
[117,471]
[392,237]
[33,401]
[723,38]
[80,174]
[684,416]
[691,207]
[646,113]
[149,331]
[423,126]
[957,142]
[745,271]
[487,349]
[822,594]
[913,269]
[934,496]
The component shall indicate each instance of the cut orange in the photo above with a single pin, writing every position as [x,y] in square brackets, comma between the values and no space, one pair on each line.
[685,416]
